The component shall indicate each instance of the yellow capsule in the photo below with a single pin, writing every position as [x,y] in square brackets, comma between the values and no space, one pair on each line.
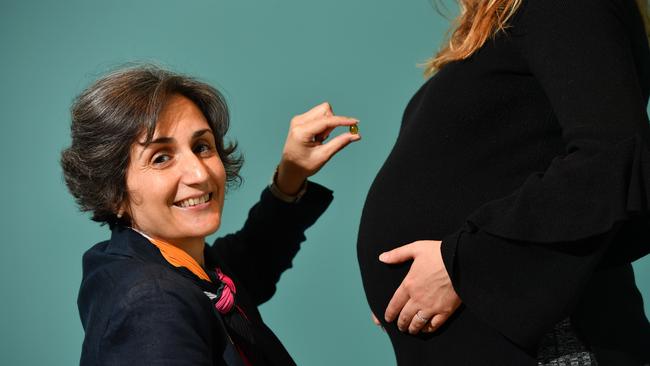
[354,129]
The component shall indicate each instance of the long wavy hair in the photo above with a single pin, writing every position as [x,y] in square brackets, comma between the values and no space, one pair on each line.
[482,19]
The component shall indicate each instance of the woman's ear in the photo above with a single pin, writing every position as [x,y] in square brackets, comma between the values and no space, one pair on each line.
[123,209]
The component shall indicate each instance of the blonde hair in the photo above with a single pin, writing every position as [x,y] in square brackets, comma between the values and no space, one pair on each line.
[645,14]
[482,19]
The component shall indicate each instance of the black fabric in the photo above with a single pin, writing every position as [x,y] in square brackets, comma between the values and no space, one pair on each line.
[137,309]
[530,161]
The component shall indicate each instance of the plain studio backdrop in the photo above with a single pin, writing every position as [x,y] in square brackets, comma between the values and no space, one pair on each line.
[271,59]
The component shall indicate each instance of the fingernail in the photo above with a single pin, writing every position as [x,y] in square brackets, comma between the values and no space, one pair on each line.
[383,257]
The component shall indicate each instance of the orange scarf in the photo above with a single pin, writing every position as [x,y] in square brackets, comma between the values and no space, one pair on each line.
[177,257]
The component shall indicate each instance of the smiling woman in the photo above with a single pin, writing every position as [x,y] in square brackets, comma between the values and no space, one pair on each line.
[148,158]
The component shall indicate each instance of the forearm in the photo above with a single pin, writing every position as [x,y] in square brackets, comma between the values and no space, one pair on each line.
[270,238]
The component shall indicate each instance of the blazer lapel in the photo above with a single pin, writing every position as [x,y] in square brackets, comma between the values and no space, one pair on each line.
[129,243]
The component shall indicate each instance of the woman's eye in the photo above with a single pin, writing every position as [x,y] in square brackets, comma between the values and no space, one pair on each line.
[202,148]
[161,159]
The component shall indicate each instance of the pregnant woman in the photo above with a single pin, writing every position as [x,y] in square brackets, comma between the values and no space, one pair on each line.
[517,194]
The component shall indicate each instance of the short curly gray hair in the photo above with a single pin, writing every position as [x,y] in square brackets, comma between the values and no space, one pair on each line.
[108,117]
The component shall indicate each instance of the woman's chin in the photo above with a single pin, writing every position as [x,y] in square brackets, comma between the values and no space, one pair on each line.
[205,229]
[202,223]
[194,229]
[212,230]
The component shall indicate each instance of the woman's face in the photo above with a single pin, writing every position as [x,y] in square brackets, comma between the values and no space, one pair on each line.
[176,184]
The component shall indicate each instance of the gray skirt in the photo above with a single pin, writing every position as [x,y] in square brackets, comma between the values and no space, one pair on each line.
[562,347]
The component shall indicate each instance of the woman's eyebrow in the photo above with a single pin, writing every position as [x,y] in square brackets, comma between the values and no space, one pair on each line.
[167,140]
[201,132]
[159,140]
[162,140]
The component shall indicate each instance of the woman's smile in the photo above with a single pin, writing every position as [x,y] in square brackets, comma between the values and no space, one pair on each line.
[197,202]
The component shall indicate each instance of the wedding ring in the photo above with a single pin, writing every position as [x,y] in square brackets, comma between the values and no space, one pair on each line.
[423,320]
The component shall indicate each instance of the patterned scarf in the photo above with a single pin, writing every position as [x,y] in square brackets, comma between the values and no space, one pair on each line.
[236,321]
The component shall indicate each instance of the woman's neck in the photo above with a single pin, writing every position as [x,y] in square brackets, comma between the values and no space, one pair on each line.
[192,246]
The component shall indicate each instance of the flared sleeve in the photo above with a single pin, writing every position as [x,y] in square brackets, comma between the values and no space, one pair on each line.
[520,262]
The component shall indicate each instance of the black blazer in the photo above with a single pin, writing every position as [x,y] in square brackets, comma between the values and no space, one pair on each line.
[137,309]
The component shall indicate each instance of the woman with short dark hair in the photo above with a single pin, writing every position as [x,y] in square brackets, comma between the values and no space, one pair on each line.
[148,158]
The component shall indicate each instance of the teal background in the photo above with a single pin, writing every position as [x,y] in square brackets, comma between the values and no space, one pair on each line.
[272,59]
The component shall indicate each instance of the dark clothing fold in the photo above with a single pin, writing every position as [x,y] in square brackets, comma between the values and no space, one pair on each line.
[137,309]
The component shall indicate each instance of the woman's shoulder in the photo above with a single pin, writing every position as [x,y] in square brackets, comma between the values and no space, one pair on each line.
[575,12]
[114,282]
[126,261]
[126,303]
[574,30]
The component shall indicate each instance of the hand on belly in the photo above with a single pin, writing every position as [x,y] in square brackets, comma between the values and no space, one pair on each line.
[426,298]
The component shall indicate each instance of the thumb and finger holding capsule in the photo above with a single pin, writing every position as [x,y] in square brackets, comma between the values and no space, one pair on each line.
[353,129]
[331,121]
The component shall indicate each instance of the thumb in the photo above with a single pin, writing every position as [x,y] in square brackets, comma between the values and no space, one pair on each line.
[398,255]
[338,143]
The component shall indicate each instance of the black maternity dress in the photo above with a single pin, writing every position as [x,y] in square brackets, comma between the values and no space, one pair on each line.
[530,161]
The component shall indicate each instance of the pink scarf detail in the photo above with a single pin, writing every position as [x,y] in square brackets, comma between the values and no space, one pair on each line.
[227,298]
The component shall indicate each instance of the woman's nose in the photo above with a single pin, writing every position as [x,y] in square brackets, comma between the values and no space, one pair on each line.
[193,170]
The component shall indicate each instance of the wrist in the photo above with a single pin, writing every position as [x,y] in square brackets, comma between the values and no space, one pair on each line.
[282,194]
[289,179]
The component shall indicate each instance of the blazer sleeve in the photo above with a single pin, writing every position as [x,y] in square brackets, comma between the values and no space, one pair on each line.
[520,262]
[270,238]
[157,322]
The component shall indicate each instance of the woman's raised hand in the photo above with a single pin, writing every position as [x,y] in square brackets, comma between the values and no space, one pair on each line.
[426,298]
[306,151]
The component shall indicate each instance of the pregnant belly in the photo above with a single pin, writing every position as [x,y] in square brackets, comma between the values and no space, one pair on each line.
[398,210]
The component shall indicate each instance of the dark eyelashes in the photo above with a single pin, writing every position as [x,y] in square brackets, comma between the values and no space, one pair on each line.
[160,159]
[201,147]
